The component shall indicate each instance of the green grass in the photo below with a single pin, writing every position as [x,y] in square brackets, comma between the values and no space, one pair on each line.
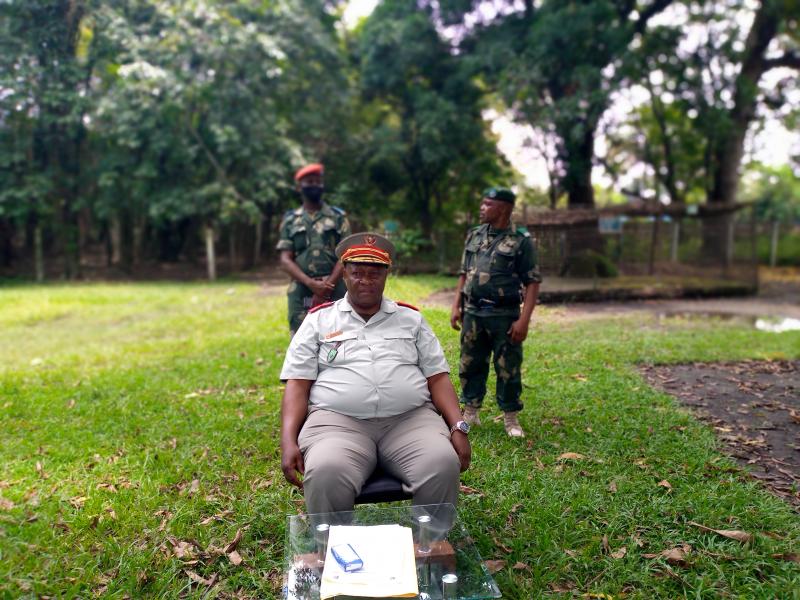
[124,395]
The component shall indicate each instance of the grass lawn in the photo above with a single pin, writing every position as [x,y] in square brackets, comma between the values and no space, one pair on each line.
[139,433]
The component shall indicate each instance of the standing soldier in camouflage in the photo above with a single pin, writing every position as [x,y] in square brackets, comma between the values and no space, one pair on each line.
[498,273]
[308,239]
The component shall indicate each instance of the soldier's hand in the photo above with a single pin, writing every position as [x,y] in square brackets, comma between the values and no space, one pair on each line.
[322,289]
[292,464]
[463,449]
[456,318]
[518,331]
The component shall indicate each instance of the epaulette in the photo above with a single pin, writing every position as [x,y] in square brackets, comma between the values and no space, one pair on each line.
[320,307]
[339,211]
[524,231]
[411,306]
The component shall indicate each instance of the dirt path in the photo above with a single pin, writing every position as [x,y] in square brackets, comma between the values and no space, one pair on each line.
[754,408]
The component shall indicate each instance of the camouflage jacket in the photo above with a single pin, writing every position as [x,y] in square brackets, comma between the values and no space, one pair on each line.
[497,265]
[313,237]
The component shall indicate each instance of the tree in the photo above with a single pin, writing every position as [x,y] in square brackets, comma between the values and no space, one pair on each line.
[559,63]
[430,148]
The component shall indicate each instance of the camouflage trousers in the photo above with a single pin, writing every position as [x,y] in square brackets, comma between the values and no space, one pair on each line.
[482,337]
[299,299]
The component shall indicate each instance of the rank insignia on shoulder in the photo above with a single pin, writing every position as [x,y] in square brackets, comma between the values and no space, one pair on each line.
[407,305]
[320,307]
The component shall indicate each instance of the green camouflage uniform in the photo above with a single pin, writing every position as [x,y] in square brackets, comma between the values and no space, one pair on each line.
[497,265]
[313,238]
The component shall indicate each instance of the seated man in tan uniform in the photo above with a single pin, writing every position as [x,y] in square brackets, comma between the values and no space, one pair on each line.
[367,383]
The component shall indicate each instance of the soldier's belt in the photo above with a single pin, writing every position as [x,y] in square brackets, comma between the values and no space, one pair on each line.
[489,303]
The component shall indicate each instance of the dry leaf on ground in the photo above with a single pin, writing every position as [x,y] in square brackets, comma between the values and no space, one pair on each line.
[465,489]
[674,556]
[612,487]
[6,504]
[665,484]
[235,558]
[571,456]
[197,579]
[732,534]
[234,543]
[790,556]
[619,553]
[495,565]
[521,566]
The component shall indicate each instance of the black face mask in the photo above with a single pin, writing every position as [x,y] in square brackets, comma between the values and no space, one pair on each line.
[312,193]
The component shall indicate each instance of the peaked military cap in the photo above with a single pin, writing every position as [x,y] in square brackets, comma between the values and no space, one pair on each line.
[312,169]
[366,247]
[500,193]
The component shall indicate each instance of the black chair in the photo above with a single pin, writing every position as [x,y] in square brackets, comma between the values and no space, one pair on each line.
[381,487]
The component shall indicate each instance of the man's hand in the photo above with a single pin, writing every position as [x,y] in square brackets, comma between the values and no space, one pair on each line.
[518,331]
[323,289]
[292,464]
[463,449]
[456,317]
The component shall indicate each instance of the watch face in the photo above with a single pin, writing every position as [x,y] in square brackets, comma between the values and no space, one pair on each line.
[463,426]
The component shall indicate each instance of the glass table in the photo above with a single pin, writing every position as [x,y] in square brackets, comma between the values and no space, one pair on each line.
[442,549]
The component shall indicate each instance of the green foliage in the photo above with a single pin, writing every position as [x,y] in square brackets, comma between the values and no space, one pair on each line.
[775,192]
[589,263]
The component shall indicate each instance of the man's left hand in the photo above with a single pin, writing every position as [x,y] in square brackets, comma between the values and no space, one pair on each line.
[463,449]
[518,331]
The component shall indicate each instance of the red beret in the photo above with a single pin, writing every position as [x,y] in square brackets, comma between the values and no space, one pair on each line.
[312,169]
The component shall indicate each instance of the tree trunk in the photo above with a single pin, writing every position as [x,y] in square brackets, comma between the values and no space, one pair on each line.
[38,253]
[232,257]
[773,245]
[259,240]
[115,235]
[211,260]
[729,149]
[137,240]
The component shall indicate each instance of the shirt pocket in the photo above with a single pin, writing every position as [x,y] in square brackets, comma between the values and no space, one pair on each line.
[336,350]
[503,259]
[398,347]
[299,238]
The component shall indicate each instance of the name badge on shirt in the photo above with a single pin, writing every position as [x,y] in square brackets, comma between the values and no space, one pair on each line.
[334,351]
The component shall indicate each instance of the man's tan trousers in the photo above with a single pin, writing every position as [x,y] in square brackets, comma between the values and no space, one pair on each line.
[340,453]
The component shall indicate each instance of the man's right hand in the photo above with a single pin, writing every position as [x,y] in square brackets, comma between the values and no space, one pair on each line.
[456,317]
[292,464]
[323,289]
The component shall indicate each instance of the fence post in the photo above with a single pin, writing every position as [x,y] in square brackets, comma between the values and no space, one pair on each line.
[676,239]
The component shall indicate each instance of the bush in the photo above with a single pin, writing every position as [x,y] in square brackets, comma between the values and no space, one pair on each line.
[589,264]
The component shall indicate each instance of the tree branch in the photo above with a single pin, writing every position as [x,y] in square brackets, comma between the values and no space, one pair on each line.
[648,13]
[789,59]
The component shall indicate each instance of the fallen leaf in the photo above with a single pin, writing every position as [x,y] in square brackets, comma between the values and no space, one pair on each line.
[675,556]
[570,553]
[465,489]
[40,470]
[665,484]
[604,544]
[78,501]
[71,404]
[234,543]
[619,553]
[612,487]
[183,549]
[235,558]
[493,566]
[571,456]
[790,556]
[521,566]
[109,487]
[6,504]
[732,534]
[579,377]
[501,545]
[197,579]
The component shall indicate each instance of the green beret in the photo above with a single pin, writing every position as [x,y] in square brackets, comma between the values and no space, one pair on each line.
[500,194]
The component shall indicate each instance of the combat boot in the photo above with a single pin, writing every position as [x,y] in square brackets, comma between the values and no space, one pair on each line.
[511,422]
[471,415]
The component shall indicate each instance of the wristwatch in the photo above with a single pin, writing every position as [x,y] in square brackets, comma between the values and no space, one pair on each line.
[461,426]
